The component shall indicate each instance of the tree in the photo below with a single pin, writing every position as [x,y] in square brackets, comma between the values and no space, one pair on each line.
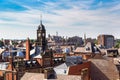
[1,44]
[96,42]
[117,44]
[32,41]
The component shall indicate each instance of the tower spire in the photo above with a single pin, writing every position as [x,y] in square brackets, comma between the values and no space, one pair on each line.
[56,33]
[41,19]
[84,38]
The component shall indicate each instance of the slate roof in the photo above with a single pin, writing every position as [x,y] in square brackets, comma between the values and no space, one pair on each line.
[62,66]
[89,48]
[70,61]
[20,54]
[36,52]
[5,54]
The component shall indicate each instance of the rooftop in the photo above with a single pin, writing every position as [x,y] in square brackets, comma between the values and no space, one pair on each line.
[36,76]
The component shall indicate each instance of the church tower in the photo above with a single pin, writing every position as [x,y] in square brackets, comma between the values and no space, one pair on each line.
[41,45]
[41,36]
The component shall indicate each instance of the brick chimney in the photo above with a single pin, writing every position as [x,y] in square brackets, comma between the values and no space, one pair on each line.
[11,62]
[10,67]
[27,49]
[49,73]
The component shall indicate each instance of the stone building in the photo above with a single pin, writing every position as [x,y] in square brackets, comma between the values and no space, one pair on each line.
[106,40]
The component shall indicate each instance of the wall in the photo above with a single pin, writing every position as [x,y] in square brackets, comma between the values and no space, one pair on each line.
[77,70]
[102,69]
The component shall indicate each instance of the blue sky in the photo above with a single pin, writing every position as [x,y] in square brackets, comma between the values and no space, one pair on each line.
[20,19]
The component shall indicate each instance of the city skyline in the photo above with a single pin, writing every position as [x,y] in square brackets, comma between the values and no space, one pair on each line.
[19,20]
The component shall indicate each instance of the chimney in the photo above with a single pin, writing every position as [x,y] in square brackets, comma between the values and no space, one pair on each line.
[11,62]
[27,49]
[10,68]
[49,73]
[45,74]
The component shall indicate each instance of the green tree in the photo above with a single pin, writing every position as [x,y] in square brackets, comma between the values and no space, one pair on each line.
[96,41]
[14,43]
[117,44]
[1,43]
[32,41]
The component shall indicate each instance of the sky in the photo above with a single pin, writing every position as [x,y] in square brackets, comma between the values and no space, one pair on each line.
[20,19]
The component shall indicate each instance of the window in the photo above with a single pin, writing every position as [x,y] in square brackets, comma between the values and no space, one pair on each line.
[87,49]
[65,71]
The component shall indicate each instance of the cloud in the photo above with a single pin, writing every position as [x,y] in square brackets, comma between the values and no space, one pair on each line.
[74,18]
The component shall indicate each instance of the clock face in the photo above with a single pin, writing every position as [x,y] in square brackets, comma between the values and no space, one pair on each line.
[39,34]
[43,34]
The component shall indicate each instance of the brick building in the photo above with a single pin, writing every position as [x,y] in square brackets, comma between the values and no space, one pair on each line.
[106,40]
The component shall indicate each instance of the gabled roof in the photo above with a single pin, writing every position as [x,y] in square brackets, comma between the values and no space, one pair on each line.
[36,52]
[80,49]
[6,54]
[62,66]
[41,27]
[38,56]
[103,69]
[1,50]
[89,48]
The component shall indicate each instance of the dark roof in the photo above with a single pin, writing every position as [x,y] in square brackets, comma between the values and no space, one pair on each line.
[41,27]
[26,64]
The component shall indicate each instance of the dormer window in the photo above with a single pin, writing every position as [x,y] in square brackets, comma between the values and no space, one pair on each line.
[65,71]
[87,48]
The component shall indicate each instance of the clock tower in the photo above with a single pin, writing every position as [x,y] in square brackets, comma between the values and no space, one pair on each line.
[45,58]
[41,36]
